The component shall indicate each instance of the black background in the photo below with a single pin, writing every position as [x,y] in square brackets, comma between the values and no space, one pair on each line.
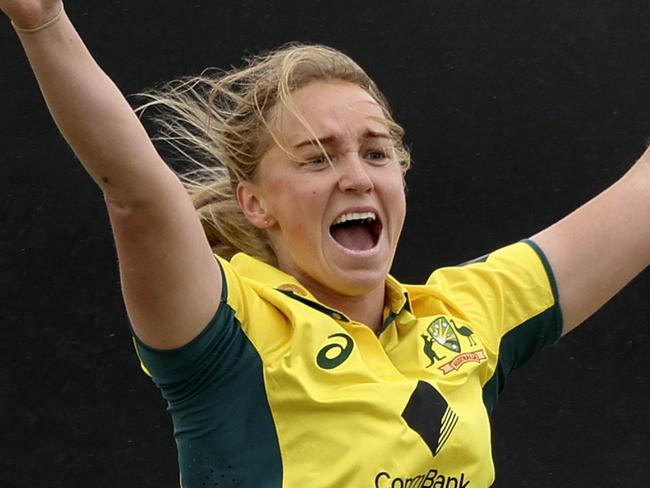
[516,112]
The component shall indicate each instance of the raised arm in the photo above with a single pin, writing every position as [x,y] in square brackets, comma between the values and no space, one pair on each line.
[600,247]
[170,279]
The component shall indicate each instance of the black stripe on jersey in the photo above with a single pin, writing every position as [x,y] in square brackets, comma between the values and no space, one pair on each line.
[449,421]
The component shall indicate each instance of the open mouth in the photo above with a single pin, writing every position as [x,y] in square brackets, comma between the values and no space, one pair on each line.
[357,231]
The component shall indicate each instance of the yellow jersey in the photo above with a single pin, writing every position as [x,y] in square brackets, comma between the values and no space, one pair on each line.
[281,391]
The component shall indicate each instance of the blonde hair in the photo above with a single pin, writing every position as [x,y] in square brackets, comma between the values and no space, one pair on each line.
[219,124]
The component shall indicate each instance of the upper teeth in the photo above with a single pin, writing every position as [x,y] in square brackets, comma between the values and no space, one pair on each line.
[356,216]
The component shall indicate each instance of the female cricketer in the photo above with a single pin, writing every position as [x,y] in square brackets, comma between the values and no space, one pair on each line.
[257,282]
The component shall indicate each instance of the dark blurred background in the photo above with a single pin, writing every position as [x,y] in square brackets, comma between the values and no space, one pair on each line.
[516,113]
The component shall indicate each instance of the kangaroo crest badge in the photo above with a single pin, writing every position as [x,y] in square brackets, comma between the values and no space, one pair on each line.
[444,332]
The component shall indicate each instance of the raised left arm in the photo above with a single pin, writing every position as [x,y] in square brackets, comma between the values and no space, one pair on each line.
[597,249]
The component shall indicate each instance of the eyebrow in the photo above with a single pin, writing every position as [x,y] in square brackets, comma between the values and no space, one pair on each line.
[324,141]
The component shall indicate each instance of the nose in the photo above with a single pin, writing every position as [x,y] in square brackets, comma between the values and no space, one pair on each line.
[353,175]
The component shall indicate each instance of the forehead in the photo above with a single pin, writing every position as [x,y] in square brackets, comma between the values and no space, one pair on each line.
[333,108]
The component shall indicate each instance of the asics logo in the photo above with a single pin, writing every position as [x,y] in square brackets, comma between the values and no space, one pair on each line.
[335,354]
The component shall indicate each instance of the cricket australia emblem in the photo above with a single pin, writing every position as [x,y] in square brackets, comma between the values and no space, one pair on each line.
[444,332]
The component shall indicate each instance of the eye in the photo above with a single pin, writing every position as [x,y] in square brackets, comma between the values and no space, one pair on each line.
[316,161]
[320,159]
[378,156]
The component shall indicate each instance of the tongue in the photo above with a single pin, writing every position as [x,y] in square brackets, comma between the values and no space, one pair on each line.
[355,237]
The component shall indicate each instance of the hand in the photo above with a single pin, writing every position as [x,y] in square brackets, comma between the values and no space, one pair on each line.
[30,13]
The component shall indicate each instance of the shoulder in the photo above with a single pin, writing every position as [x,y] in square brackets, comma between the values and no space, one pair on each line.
[501,290]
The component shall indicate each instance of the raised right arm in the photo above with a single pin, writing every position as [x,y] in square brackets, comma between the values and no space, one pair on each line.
[170,279]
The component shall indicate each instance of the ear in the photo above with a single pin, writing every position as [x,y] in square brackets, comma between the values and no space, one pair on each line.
[252,204]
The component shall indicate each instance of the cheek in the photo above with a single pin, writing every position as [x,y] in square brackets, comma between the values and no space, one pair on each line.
[295,202]
[396,199]
[394,187]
